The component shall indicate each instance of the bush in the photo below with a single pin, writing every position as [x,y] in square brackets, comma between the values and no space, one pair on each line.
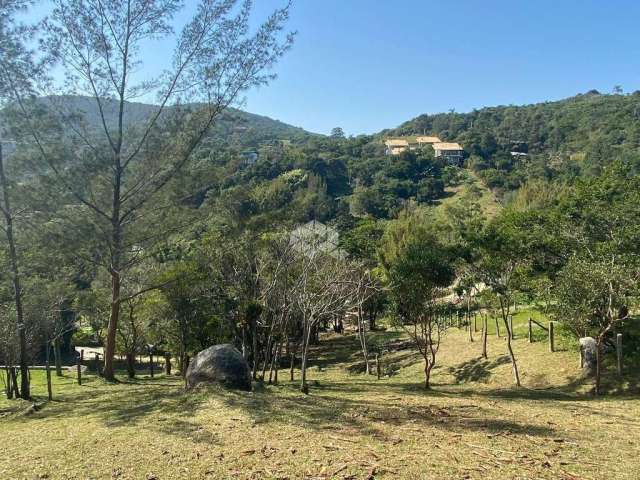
[84,337]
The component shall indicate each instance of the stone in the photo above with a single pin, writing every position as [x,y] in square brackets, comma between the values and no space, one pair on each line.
[588,349]
[222,364]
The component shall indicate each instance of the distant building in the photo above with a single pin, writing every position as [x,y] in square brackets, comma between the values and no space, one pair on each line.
[423,141]
[395,146]
[452,152]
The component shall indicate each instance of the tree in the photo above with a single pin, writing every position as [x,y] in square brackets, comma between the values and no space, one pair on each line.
[596,287]
[418,268]
[501,259]
[324,289]
[592,296]
[17,72]
[337,133]
[114,173]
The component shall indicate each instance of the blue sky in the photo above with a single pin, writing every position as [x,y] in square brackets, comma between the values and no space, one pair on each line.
[366,65]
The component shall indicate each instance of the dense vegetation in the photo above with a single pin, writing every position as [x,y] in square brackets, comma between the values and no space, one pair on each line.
[563,140]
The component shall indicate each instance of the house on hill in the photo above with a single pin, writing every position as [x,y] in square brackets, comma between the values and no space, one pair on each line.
[424,141]
[395,146]
[452,152]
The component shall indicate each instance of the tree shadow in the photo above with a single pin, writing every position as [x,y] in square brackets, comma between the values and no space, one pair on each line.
[477,369]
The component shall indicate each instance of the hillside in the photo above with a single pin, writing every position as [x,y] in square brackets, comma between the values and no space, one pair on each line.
[234,127]
[554,140]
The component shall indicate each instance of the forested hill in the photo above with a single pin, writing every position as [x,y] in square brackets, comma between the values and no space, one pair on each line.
[562,139]
[234,127]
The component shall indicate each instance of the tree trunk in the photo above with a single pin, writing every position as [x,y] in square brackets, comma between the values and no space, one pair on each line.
[484,337]
[48,369]
[372,320]
[254,348]
[57,355]
[292,363]
[505,319]
[427,374]
[469,319]
[110,344]
[167,363]
[598,364]
[131,365]
[14,382]
[17,290]
[304,388]
[363,340]
[8,384]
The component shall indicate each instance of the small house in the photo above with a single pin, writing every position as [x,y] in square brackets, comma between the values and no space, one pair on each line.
[452,152]
[395,146]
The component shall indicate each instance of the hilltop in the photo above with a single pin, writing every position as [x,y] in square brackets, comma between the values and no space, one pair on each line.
[234,127]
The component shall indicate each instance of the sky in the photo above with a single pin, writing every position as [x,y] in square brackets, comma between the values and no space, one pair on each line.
[367,65]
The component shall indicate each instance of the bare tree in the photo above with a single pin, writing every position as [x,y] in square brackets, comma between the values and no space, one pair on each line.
[121,166]
[324,288]
[364,286]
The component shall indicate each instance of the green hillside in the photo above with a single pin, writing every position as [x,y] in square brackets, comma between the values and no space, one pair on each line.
[562,140]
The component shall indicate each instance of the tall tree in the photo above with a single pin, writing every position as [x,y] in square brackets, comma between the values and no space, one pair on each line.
[17,71]
[113,168]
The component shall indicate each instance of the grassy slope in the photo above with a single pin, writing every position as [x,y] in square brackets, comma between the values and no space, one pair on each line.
[473,424]
[486,199]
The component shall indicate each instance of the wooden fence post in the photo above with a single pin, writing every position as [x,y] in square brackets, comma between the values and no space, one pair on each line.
[167,363]
[78,366]
[96,358]
[551,339]
[378,372]
[619,352]
[48,368]
[484,336]
[151,363]
[530,331]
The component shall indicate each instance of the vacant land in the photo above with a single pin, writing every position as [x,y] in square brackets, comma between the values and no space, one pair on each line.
[473,424]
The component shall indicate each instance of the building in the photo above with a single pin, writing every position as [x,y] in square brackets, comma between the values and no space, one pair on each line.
[395,146]
[424,141]
[452,152]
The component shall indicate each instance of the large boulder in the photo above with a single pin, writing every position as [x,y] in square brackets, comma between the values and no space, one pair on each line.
[219,364]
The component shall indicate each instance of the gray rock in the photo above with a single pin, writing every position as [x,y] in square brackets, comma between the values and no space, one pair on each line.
[219,364]
[588,349]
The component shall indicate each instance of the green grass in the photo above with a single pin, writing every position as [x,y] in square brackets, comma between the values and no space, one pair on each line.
[473,424]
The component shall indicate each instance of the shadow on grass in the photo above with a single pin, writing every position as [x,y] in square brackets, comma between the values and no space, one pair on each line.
[332,407]
[477,369]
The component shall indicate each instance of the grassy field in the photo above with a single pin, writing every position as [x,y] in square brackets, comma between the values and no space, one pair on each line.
[472,425]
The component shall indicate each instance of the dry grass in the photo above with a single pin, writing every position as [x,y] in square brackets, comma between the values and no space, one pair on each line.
[472,425]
